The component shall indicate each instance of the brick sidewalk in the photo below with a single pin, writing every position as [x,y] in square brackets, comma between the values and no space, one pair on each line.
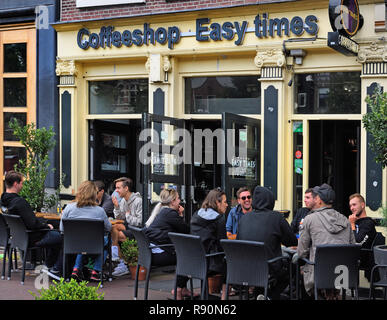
[121,288]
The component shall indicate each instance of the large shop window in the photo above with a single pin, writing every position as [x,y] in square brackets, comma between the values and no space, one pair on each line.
[235,94]
[329,92]
[118,96]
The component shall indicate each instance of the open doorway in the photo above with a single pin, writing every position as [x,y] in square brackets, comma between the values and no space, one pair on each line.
[113,146]
[334,158]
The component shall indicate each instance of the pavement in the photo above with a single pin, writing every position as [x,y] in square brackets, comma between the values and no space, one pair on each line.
[120,288]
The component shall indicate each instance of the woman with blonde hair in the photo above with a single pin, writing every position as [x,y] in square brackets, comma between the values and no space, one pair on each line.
[166,217]
[85,207]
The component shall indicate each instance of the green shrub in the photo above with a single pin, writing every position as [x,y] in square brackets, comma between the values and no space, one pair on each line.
[375,122]
[71,290]
[129,251]
[383,211]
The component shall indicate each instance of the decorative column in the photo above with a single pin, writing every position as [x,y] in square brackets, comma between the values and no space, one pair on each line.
[270,62]
[67,72]
[373,56]
[159,68]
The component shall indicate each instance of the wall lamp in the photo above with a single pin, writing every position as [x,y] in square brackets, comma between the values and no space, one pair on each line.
[298,55]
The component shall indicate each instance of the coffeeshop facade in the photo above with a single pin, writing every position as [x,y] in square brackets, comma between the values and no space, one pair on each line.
[269,94]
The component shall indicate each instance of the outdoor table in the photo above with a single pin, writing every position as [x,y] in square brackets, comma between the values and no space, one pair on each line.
[48,216]
[291,251]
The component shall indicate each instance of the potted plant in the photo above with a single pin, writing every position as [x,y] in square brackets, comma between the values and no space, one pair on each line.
[71,290]
[38,143]
[129,251]
[375,122]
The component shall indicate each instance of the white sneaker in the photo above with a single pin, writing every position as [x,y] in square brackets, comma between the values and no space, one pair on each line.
[120,271]
[261,297]
[115,256]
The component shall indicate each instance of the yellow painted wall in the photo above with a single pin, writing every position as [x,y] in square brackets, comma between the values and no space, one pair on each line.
[192,58]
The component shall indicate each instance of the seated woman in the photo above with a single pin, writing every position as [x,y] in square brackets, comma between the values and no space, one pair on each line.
[210,224]
[166,217]
[86,207]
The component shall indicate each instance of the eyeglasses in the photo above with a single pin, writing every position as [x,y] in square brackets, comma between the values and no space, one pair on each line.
[245,197]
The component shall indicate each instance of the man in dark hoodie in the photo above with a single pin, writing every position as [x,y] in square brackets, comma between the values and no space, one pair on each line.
[17,205]
[323,226]
[268,226]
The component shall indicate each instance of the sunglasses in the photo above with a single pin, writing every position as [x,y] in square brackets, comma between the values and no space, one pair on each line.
[245,197]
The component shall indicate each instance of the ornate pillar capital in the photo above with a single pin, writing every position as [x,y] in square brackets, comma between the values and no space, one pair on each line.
[269,57]
[66,68]
[372,52]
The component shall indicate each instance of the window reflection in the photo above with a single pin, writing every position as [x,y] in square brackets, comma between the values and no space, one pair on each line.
[12,155]
[118,96]
[15,58]
[328,93]
[15,92]
[223,94]
[8,117]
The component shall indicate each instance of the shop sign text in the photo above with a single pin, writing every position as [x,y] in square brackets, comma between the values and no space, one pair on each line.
[263,27]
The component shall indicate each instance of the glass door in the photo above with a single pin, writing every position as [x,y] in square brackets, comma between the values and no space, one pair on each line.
[242,154]
[17,92]
[163,153]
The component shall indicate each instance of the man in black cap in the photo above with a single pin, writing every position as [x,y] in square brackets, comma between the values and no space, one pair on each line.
[324,226]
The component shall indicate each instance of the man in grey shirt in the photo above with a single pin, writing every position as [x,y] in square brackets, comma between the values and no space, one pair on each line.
[128,209]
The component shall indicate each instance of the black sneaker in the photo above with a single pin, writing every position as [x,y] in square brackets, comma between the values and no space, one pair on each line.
[95,276]
[77,275]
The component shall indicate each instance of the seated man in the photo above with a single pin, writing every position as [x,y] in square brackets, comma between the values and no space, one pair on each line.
[16,205]
[244,206]
[363,228]
[323,225]
[268,226]
[301,213]
[128,209]
[103,199]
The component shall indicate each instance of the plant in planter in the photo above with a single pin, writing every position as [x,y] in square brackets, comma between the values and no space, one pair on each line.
[375,122]
[71,290]
[383,212]
[129,251]
[38,144]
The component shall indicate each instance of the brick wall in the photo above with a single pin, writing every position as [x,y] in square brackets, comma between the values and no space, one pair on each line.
[69,12]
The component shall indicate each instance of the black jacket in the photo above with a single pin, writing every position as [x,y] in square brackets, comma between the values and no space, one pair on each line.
[20,207]
[300,214]
[365,232]
[265,225]
[107,205]
[211,231]
[168,220]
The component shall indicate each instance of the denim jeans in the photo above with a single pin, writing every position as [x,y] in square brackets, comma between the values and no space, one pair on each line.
[53,242]
[97,260]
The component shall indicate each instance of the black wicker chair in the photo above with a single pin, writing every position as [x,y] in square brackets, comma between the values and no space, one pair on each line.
[380,256]
[326,272]
[144,258]
[247,263]
[191,260]
[20,239]
[85,236]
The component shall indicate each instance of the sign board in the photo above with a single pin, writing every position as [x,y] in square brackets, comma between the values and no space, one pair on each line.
[345,17]
[342,44]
